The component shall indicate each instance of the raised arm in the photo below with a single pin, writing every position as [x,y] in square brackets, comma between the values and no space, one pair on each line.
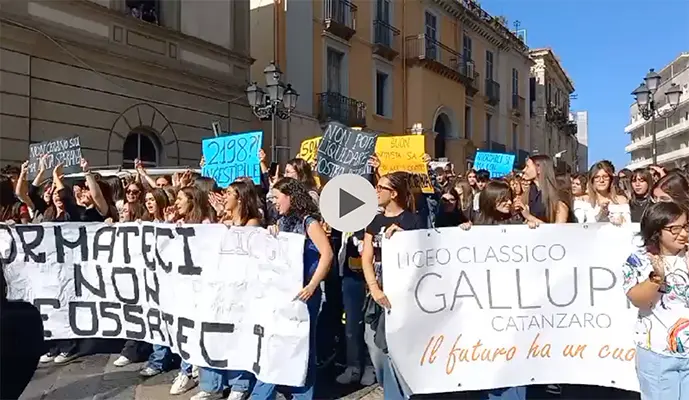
[96,194]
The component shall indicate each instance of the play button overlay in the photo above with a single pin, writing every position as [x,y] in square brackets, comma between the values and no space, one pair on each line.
[348,203]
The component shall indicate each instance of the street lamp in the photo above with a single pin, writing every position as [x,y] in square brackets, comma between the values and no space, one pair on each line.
[278,100]
[645,99]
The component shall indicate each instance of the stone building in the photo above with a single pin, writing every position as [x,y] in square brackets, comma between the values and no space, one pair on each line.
[132,78]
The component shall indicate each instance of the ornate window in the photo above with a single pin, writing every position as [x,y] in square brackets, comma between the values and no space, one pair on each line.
[142,146]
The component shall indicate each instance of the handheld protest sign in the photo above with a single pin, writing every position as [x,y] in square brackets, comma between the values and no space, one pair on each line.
[344,150]
[229,157]
[62,150]
[404,153]
[498,164]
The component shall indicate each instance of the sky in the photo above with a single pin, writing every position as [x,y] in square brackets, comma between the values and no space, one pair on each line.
[606,47]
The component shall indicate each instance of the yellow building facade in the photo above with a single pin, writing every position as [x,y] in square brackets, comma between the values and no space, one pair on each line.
[442,68]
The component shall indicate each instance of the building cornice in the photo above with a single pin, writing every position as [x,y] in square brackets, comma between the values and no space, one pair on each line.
[552,63]
[482,23]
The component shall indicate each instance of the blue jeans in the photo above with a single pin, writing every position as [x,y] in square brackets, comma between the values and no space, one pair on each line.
[213,380]
[662,377]
[353,296]
[513,393]
[268,391]
[160,358]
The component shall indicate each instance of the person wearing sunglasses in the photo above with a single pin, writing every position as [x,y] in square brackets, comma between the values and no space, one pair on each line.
[397,201]
[655,282]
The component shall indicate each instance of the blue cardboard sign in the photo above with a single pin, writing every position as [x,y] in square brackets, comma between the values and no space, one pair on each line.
[232,156]
[498,164]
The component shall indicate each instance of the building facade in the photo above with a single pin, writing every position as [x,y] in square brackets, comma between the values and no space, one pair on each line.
[581,162]
[133,79]
[443,68]
[672,128]
[552,131]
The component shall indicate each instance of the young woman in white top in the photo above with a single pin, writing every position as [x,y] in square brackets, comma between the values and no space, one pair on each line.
[655,281]
[602,203]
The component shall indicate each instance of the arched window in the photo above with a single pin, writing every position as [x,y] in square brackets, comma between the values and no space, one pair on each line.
[142,146]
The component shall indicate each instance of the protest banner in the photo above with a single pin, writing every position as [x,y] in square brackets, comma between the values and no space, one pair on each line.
[219,297]
[229,157]
[309,149]
[404,153]
[344,150]
[498,164]
[507,306]
[66,151]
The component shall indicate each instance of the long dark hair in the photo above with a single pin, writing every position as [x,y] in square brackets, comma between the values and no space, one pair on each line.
[200,208]
[646,176]
[9,206]
[654,220]
[494,193]
[116,189]
[304,173]
[162,202]
[301,203]
[248,201]
[676,186]
[399,180]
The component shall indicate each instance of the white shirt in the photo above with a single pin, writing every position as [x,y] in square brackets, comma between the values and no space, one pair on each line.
[586,213]
[664,329]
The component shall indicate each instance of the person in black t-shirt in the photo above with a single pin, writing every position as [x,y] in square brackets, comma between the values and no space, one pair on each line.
[397,201]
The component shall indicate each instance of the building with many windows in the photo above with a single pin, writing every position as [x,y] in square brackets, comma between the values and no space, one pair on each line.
[552,130]
[132,78]
[671,127]
[444,68]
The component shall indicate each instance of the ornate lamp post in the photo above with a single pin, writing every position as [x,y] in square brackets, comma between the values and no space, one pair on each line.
[279,101]
[645,99]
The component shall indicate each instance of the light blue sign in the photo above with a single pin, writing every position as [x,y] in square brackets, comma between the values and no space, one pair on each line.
[498,164]
[232,156]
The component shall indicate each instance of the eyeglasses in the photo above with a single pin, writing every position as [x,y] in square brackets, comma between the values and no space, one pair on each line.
[601,178]
[133,191]
[380,188]
[677,229]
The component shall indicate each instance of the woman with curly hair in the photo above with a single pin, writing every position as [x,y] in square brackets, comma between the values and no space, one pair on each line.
[299,214]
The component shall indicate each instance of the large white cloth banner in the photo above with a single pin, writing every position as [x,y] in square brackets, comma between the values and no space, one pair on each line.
[507,306]
[219,297]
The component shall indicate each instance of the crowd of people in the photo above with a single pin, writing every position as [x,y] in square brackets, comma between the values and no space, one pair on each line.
[342,270]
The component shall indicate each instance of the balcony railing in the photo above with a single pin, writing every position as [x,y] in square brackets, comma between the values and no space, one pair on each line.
[492,92]
[518,103]
[339,18]
[386,39]
[333,106]
[430,53]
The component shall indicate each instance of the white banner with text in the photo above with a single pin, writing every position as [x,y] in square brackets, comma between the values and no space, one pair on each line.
[217,296]
[507,306]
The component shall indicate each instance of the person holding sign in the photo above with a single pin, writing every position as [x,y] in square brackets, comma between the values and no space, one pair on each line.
[299,214]
[241,209]
[655,278]
[397,200]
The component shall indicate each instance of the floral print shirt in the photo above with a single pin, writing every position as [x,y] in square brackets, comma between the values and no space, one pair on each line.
[664,329]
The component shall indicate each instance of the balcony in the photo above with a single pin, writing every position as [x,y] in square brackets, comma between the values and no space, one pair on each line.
[336,107]
[660,135]
[571,128]
[518,105]
[386,40]
[339,18]
[492,92]
[441,59]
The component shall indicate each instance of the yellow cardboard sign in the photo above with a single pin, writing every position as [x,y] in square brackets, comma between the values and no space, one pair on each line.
[309,149]
[404,153]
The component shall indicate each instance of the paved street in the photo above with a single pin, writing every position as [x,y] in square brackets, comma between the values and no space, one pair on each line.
[95,378]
